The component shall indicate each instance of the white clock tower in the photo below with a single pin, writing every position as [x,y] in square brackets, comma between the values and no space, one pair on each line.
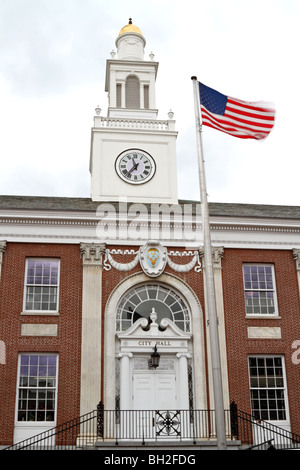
[133,154]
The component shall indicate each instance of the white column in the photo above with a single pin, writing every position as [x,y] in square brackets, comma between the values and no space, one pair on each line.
[217,255]
[2,251]
[142,104]
[152,98]
[296,254]
[183,381]
[123,95]
[113,90]
[2,343]
[90,392]
[125,381]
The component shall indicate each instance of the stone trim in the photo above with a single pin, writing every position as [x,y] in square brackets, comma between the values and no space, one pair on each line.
[92,253]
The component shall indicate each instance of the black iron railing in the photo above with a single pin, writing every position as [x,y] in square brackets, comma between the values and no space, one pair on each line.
[259,434]
[139,426]
[135,426]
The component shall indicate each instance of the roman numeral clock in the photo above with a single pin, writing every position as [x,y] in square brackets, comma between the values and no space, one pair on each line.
[135,166]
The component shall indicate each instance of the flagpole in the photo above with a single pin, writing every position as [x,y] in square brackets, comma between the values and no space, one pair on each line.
[209,284]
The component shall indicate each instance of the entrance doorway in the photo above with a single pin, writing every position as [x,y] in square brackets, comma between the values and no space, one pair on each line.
[121,324]
[154,404]
[154,390]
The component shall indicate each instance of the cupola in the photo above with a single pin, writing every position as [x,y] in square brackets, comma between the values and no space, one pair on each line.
[130,43]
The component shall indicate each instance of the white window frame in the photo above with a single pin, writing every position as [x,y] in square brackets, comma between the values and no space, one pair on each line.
[181,317]
[281,422]
[37,311]
[274,290]
[36,423]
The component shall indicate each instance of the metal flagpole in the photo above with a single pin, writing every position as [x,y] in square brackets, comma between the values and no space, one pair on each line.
[209,284]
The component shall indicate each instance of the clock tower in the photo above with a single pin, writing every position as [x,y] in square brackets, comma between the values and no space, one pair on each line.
[133,154]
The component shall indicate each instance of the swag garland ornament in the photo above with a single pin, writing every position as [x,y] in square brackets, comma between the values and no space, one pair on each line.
[153,258]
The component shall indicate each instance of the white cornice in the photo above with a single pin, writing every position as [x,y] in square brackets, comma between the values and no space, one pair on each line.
[79,226]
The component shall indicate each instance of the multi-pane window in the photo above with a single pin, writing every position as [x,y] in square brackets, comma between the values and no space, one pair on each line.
[37,387]
[259,289]
[267,388]
[41,285]
[139,302]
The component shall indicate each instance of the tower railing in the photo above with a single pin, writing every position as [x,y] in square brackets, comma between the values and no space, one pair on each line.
[136,124]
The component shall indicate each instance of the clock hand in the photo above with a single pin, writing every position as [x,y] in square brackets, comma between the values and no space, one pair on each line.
[134,167]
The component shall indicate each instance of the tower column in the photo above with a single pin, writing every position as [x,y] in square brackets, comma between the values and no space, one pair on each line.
[123,95]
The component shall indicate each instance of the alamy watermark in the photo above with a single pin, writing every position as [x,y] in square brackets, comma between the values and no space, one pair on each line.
[296,353]
[137,221]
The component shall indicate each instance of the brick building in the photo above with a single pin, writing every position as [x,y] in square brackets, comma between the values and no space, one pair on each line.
[88,287]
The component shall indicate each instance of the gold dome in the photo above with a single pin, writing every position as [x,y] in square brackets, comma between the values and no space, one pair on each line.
[130,28]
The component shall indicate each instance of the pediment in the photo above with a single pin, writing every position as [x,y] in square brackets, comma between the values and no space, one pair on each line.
[142,329]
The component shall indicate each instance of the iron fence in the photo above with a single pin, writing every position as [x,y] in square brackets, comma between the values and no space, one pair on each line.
[139,426]
[126,425]
[262,435]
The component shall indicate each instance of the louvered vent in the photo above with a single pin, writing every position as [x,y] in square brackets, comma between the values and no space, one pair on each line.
[146,96]
[119,99]
[132,93]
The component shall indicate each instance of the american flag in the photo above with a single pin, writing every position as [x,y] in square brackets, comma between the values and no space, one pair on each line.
[235,117]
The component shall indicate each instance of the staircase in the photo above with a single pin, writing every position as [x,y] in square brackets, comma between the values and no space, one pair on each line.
[160,430]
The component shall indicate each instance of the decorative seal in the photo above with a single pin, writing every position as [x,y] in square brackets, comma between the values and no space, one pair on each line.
[153,258]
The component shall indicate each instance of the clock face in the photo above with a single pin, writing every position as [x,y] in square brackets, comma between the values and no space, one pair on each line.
[135,166]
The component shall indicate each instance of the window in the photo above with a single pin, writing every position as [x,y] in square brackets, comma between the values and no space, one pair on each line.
[132,92]
[267,388]
[37,387]
[259,288]
[41,285]
[138,303]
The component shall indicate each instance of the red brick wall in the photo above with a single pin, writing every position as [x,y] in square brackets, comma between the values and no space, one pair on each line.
[68,341]
[239,347]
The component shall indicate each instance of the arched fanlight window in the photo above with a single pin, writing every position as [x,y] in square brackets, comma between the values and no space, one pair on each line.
[132,92]
[139,301]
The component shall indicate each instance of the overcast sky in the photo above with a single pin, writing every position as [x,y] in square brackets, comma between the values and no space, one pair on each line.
[52,70]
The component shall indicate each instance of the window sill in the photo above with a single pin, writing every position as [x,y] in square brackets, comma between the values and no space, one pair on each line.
[262,317]
[42,313]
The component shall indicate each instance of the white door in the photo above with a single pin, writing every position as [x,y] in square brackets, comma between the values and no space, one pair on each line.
[154,396]
[154,390]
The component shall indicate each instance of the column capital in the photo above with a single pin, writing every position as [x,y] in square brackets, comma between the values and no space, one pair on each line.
[2,249]
[2,246]
[296,254]
[125,354]
[217,255]
[92,253]
[183,354]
